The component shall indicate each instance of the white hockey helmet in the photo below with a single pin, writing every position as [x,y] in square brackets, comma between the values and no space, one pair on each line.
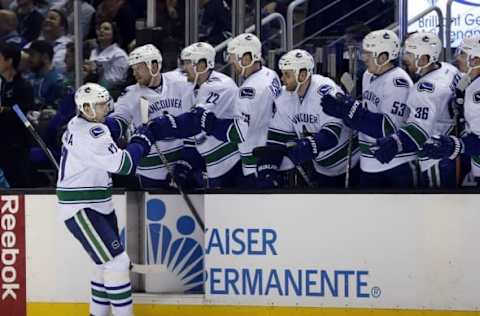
[243,44]
[424,43]
[471,47]
[297,60]
[198,51]
[382,41]
[146,54]
[91,94]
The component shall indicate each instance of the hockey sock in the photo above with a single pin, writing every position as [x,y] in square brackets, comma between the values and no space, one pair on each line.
[99,303]
[117,285]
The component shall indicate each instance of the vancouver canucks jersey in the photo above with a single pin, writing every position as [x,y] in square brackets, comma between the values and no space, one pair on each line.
[218,95]
[472,118]
[89,155]
[299,117]
[173,96]
[254,110]
[428,104]
[386,94]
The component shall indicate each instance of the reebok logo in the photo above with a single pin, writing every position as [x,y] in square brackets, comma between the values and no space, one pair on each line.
[9,248]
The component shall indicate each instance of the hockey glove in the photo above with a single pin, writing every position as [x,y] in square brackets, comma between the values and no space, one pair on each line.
[206,118]
[164,127]
[303,150]
[143,136]
[269,159]
[268,177]
[387,148]
[181,172]
[343,107]
[442,147]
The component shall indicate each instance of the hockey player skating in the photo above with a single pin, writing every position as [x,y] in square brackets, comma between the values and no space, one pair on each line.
[450,146]
[214,92]
[428,106]
[385,90]
[166,93]
[84,191]
[254,104]
[300,124]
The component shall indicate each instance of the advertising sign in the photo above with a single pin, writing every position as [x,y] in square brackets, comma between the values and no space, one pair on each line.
[465,17]
[369,251]
[12,256]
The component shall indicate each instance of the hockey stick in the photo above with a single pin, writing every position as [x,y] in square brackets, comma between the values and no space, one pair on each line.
[459,101]
[35,135]
[186,198]
[147,268]
[349,85]
[266,151]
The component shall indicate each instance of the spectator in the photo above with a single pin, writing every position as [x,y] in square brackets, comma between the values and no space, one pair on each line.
[121,13]
[69,74]
[42,5]
[54,31]
[217,19]
[108,62]
[171,17]
[15,139]
[86,14]
[8,29]
[29,20]
[47,82]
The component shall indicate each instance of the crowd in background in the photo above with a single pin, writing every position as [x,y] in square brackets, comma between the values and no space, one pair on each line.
[37,64]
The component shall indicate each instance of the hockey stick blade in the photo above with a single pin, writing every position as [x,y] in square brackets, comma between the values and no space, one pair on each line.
[347,82]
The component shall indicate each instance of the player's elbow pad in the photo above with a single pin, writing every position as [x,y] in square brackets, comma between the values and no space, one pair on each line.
[325,140]
[471,144]
[368,123]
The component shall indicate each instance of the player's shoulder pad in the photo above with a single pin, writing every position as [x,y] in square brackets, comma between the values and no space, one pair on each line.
[426,86]
[247,93]
[97,131]
[213,79]
[476,96]
[401,82]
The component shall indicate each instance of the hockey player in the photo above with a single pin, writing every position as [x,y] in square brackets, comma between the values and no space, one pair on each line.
[84,192]
[214,92]
[166,94]
[449,146]
[385,91]
[254,103]
[300,121]
[429,114]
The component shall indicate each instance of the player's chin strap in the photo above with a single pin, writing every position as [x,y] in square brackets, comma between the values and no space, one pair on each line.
[239,60]
[198,73]
[299,83]
[379,66]
[154,75]
[419,70]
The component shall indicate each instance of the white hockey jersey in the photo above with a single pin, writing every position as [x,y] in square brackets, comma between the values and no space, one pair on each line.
[254,110]
[472,118]
[294,118]
[173,96]
[428,103]
[89,155]
[385,94]
[217,94]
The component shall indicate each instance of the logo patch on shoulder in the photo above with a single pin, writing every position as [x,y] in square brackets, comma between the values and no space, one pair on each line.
[426,86]
[247,92]
[97,131]
[476,97]
[400,82]
[324,89]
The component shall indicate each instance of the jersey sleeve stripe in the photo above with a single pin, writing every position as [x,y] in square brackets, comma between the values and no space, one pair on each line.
[221,152]
[280,137]
[335,129]
[388,126]
[338,155]
[234,134]
[78,196]
[416,133]
[154,160]
[126,165]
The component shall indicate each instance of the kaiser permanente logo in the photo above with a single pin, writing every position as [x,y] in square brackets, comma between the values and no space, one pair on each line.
[174,247]
[249,246]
